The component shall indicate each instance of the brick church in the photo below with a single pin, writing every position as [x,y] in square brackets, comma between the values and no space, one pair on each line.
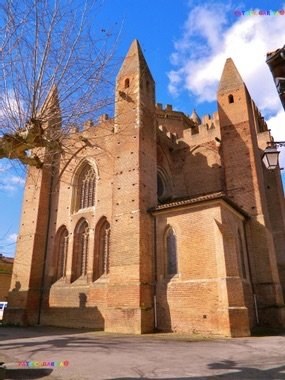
[155,220]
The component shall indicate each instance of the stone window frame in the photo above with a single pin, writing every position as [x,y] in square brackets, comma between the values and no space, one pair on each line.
[61,249]
[80,250]
[81,196]
[101,265]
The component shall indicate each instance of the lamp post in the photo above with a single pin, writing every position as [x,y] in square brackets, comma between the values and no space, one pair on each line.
[270,155]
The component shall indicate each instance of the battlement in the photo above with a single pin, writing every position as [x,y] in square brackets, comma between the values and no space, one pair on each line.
[172,138]
[204,132]
[169,113]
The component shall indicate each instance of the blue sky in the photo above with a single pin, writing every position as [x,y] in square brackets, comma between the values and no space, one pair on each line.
[186,44]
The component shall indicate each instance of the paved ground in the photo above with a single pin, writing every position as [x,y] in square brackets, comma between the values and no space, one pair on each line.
[93,355]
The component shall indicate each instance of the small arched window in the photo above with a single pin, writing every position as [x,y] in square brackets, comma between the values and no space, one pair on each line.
[171,252]
[127,83]
[102,246]
[231,98]
[85,187]
[80,250]
[61,247]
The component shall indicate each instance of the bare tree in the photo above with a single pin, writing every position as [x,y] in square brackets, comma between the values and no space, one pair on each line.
[53,56]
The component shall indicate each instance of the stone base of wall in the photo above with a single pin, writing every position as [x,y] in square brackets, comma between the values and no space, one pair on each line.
[129,320]
[272,316]
[17,316]
[89,317]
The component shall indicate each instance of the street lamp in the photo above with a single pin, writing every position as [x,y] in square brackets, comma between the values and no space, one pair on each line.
[270,155]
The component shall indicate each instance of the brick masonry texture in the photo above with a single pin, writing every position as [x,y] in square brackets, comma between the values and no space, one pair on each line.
[224,210]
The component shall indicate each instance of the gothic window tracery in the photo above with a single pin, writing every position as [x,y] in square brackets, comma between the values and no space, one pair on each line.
[61,252]
[85,188]
[102,247]
[80,250]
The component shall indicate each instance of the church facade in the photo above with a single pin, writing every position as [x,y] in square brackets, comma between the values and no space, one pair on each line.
[155,220]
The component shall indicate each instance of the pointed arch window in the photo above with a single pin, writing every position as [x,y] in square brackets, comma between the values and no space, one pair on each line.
[102,246]
[85,188]
[61,252]
[80,250]
[163,185]
[171,252]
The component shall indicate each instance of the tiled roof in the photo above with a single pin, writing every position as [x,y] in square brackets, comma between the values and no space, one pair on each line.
[200,199]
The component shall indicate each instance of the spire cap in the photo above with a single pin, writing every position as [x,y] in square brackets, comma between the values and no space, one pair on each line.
[230,78]
[135,62]
[195,117]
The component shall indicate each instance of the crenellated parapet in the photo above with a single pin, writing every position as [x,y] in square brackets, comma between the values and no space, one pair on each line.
[173,121]
[169,138]
[208,130]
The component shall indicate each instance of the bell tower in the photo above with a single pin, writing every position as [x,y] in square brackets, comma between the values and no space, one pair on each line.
[244,184]
[130,303]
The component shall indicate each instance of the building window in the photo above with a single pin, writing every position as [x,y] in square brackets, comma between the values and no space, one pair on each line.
[102,247]
[162,186]
[127,83]
[85,188]
[80,250]
[231,98]
[171,252]
[61,247]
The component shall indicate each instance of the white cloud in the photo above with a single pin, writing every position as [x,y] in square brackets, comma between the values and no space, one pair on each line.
[17,180]
[207,41]
[12,176]
[9,182]
[12,238]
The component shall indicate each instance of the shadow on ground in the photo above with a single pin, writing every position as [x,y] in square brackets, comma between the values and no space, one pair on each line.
[267,331]
[237,373]
[25,373]
[33,332]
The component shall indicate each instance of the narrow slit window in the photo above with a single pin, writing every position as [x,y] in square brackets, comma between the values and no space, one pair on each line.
[171,252]
[127,83]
